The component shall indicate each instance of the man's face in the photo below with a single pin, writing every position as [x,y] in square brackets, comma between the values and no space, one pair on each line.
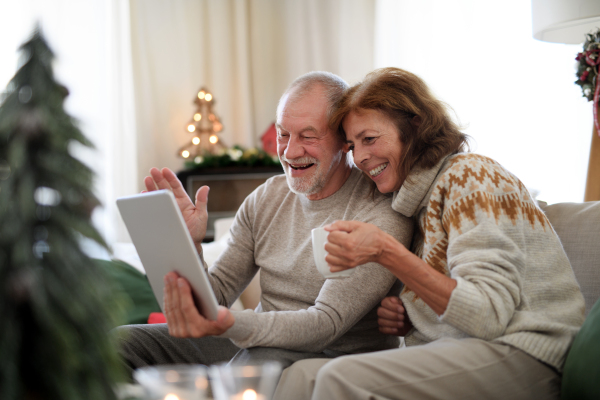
[309,152]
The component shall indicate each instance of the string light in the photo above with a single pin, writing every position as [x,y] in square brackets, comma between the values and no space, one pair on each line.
[199,144]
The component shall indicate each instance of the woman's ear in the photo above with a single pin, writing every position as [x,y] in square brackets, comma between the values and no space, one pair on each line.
[346,147]
[416,121]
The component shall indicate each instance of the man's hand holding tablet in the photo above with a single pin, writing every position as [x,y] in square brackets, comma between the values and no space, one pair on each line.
[183,318]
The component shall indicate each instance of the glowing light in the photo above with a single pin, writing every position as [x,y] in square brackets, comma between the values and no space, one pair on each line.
[196,140]
[202,383]
[191,128]
[185,154]
[46,196]
[213,139]
[198,159]
[171,396]
[208,97]
[217,127]
[249,394]
[197,117]
[201,94]
[211,117]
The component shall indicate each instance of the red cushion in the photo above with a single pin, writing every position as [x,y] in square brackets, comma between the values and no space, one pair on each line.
[157,318]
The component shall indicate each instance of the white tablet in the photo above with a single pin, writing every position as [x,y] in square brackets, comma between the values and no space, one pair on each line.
[162,240]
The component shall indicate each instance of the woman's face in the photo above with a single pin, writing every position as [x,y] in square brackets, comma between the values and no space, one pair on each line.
[376,146]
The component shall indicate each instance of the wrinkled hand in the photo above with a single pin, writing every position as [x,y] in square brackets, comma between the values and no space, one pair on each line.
[352,243]
[195,216]
[183,318]
[393,318]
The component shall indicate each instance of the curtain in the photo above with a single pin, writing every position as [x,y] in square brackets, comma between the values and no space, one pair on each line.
[245,52]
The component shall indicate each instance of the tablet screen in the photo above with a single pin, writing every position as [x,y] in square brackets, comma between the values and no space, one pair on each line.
[160,236]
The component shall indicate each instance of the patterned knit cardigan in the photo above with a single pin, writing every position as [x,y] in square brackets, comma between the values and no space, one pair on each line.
[477,223]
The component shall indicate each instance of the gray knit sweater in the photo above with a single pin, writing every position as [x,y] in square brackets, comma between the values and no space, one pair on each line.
[478,224]
[299,309]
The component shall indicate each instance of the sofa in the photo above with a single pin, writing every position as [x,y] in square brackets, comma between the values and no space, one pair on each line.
[578,227]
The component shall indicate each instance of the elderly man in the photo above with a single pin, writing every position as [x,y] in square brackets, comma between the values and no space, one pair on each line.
[301,315]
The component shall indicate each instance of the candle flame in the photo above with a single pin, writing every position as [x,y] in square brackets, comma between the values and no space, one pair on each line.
[249,394]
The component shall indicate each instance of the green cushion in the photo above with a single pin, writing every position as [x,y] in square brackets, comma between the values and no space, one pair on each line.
[581,375]
[135,286]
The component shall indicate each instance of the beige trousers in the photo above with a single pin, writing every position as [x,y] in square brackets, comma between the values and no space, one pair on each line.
[444,369]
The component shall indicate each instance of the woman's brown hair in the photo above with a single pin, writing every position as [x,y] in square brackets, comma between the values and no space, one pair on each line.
[402,96]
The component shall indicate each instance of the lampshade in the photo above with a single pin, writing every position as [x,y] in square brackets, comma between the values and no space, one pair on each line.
[564,21]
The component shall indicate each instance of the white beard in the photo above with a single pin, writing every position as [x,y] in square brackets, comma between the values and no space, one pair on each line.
[307,185]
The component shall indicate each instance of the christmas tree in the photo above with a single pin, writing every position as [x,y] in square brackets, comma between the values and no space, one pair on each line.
[55,304]
[204,127]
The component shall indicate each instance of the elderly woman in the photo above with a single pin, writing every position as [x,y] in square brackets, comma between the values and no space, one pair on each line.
[492,300]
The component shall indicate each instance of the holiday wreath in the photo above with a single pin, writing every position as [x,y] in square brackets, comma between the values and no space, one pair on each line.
[587,71]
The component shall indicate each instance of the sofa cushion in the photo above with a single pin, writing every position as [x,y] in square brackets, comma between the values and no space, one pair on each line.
[581,375]
[578,226]
[134,285]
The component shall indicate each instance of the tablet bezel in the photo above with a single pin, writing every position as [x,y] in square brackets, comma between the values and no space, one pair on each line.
[163,243]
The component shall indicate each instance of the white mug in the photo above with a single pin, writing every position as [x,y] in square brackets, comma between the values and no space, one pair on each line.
[319,238]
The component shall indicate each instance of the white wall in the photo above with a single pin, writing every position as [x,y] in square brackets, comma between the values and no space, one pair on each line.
[515,95]
[86,37]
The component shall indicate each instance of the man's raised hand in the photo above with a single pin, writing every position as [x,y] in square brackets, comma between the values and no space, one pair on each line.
[195,216]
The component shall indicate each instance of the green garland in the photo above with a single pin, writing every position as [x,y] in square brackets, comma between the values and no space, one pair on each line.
[236,156]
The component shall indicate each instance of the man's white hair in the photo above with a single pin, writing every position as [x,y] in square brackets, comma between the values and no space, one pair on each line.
[333,85]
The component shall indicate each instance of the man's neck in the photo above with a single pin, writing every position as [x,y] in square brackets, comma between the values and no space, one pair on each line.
[339,176]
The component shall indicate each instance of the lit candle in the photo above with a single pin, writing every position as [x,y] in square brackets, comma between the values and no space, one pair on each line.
[248,394]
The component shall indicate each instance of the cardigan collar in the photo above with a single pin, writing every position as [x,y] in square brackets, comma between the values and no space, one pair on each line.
[415,191]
